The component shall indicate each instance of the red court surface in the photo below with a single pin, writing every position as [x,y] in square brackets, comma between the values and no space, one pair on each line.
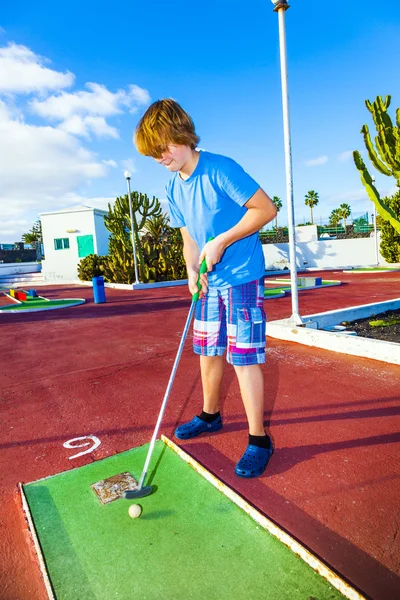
[102,370]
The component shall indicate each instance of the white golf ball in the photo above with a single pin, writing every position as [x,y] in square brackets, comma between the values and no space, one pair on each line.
[135,511]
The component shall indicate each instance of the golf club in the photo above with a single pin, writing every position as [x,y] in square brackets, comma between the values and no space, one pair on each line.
[142,490]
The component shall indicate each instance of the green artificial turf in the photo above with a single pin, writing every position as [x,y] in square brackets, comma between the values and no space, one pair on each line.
[37,303]
[282,289]
[191,541]
[275,292]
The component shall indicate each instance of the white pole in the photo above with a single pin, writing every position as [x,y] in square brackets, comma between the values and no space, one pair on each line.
[376,238]
[375,232]
[281,7]
[128,181]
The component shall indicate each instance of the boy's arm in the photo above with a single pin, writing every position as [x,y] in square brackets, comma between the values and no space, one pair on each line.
[261,210]
[191,255]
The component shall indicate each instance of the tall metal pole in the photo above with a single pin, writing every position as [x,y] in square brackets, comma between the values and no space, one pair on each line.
[376,238]
[128,181]
[375,231]
[281,7]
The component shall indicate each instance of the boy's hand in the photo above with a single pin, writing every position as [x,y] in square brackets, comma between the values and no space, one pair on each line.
[212,252]
[193,276]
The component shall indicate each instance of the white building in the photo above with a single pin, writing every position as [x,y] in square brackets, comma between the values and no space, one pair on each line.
[68,236]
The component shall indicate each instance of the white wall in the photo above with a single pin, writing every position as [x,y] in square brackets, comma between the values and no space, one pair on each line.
[12,268]
[324,254]
[60,265]
[102,234]
[307,233]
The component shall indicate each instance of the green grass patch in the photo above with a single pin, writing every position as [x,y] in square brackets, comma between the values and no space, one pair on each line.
[190,542]
[38,303]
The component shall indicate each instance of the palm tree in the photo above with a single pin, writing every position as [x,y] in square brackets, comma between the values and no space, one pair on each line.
[30,238]
[345,212]
[335,217]
[278,205]
[34,237]
[311,200]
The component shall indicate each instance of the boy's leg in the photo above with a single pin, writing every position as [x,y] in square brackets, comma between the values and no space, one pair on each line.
[212,370]
[209,341]
[246,352]
[251,383]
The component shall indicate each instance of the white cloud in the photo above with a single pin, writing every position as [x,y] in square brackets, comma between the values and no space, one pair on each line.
[97,101]
[74,199]
[99,202]
[84,126]
[39,168]
[344,156]
[8,227]
[43,167]
[355,195]
[140,95]
[83,113]
[314,162]
[23,72]
[129,165]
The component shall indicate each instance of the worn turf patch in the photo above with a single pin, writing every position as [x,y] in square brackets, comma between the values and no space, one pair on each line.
[190,542]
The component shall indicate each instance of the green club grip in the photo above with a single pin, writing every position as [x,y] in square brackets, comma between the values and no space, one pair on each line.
[203,269]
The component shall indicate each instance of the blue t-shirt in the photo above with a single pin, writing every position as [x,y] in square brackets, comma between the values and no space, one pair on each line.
[210,202]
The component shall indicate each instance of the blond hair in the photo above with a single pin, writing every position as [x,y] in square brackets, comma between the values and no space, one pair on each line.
[164,122]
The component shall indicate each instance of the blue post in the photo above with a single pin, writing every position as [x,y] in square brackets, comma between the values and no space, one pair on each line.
[98,290]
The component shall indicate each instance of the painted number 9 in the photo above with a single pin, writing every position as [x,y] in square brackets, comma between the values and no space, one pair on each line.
[93,443]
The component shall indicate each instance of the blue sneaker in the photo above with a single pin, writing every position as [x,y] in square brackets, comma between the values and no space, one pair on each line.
[196,426]
[254,461]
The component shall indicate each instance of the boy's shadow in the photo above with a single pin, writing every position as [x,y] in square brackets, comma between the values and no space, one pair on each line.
[333,548]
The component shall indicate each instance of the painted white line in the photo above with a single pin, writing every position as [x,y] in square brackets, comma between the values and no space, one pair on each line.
[267,524]
[376,271]
[94,441]
[12,298]
[32,531]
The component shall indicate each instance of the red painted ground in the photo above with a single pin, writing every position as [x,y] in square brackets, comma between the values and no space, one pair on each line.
[333,481]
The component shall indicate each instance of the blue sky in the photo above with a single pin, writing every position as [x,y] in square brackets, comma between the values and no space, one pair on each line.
[76,77]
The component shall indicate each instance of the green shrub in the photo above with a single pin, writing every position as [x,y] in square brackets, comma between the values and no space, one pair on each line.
[91,266]
[390,238]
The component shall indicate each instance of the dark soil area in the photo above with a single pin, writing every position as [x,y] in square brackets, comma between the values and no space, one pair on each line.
[389,332]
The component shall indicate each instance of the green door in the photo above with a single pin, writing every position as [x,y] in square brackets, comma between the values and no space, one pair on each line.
[85,245]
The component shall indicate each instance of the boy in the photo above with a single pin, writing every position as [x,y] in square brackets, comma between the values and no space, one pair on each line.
[211,196]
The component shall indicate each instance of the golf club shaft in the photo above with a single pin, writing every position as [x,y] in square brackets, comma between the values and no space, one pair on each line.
[195,297]
[164,404]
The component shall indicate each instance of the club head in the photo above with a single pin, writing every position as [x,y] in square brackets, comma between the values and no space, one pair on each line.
[132,494]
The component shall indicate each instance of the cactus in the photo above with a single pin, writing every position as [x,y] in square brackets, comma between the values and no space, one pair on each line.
[383,209]
[163,250]
[159,249]
[120,266]
[385,155]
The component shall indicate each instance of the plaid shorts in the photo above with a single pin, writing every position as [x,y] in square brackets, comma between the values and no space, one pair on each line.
[232,319]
